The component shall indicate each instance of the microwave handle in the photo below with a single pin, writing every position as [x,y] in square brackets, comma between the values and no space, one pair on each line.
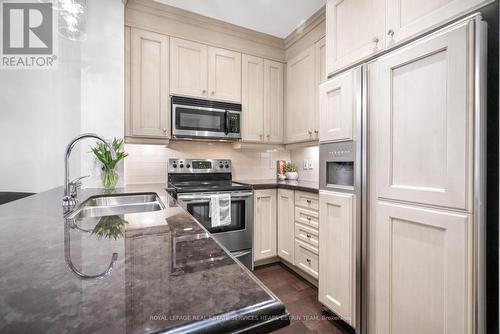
[226,129]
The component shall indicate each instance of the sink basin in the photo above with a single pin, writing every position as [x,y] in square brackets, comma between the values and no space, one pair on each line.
[100,206]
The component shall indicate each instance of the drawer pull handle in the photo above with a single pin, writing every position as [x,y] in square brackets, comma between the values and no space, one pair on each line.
[309,218]
[308,201]
[308,261]
[308,235]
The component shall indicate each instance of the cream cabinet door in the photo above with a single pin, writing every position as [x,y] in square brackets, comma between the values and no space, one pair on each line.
[355,30]
[320,69]
[408,18]
[252,99]
[265,225]
[188,68]
[424,120]
[338,99]
[286,224]
[300,81]
[337,262]
[224,75]
[422,266]
[150,103]
[273,101]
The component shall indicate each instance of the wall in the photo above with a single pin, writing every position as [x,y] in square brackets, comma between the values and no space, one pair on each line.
[42,110]
[148,163]
[309,153]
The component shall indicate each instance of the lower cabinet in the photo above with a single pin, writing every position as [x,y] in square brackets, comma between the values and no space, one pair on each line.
[286,224]
[306,258]
[422,269]
[265,224]
[337,265]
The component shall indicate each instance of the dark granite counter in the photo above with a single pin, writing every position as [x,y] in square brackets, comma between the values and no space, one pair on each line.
[309,186]
[170,274]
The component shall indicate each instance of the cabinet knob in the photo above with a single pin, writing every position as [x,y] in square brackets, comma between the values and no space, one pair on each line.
[204,91]
[309,218]
[390,33]
[310,132]
[213,92]
[164,130]
[308,201]
[308,235]
[268,136]
[261,136]
[375,40]
[308,261]
[316,131]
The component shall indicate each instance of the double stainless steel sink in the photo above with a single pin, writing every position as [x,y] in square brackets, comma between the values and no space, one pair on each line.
[109,205]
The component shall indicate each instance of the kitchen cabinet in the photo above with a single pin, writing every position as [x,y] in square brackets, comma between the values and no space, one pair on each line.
[359,29]
[425,120]
[422,270]
[206,72]
[224,75]
[262,100]
[355,30]
[306,258]
[273,101]
[149,112]
[320,68]
[408,18]
[338,104]
[265,224]
[286,223]
[252,115]
[300,98]
[188,68]
[337,263]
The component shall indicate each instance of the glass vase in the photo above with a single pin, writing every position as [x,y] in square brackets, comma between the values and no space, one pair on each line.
[109,178]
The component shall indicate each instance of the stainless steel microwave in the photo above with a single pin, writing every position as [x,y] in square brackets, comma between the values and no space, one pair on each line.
[203,119]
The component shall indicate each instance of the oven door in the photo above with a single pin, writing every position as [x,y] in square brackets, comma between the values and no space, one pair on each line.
[237,235]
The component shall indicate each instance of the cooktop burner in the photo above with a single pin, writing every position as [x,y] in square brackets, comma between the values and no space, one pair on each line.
[196,175]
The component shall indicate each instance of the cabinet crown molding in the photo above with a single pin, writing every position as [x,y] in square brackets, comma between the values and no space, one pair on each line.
[302,30]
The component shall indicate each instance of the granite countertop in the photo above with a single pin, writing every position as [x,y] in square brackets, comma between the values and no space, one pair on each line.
[170,274]
[308,186]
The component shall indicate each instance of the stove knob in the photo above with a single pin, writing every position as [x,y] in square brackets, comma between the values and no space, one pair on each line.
[188,166]
[181,166]
[227,166]
[220,166]
[174,165]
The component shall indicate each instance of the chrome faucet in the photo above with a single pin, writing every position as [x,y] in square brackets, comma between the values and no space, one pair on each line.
[71,188]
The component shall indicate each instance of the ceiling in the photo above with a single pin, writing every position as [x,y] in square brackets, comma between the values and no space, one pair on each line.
[274,17]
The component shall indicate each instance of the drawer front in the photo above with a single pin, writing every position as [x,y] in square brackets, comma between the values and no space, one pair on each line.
[306,258]
[307,200]
[306,217]
[307,234]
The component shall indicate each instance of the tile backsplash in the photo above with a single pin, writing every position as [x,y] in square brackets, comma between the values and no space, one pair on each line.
[148,163]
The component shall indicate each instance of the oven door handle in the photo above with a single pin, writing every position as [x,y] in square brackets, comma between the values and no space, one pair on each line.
[205,198]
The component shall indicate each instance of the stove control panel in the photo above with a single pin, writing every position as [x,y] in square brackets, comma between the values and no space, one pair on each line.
[195,166]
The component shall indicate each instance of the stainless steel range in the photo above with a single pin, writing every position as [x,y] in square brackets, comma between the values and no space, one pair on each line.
[194,182]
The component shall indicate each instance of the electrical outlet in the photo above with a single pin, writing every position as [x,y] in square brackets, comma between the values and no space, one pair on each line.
[305,164]
[310,164]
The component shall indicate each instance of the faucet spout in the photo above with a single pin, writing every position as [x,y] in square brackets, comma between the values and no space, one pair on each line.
[68,195]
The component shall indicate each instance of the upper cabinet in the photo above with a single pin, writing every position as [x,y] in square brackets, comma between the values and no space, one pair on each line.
[338,106]
[202,71]
[262,100]
[188,68]
[252,97]
[408,18]
[273,101]
[148,114]
[224,74]
[358,29]
[354,31]
[300,97]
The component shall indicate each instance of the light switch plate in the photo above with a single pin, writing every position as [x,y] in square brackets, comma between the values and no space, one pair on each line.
[310,164]
[305,164]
